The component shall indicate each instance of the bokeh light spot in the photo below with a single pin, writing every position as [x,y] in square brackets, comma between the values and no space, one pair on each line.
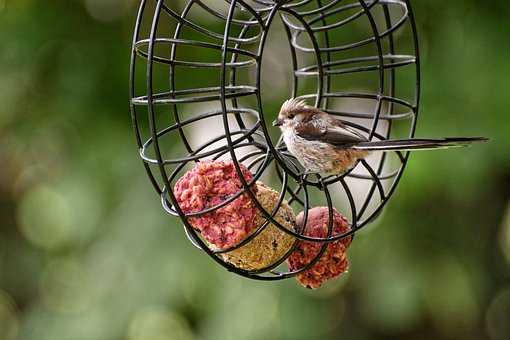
[400,302]
[504,239]
[108,10]
[157,323]
[45,217]
[65,287]
[9,323]
[497,316]
[451,297]
[52,217]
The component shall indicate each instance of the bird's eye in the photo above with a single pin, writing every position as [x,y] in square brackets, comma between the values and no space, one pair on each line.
[291,116]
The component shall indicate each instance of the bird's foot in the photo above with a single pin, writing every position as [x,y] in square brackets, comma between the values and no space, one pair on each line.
[322,182]
[303,177]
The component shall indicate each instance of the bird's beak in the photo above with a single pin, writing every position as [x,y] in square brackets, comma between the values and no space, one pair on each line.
[278,122]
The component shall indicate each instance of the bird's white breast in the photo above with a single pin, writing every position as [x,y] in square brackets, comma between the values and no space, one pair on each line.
[314,156]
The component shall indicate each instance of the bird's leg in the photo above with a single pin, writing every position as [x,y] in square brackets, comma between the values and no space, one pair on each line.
[327,177]
[322,181]
[302,177]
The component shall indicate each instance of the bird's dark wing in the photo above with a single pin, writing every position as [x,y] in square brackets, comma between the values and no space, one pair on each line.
[334,132]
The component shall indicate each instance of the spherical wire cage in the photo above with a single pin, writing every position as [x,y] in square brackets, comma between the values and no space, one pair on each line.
[198,93]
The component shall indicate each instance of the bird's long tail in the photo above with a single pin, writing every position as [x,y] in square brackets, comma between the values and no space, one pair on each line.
[417,144]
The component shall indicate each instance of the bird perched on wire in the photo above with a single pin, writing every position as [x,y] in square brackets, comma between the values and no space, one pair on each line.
[325,145]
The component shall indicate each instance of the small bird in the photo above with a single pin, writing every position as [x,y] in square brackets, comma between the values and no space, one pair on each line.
[325,145]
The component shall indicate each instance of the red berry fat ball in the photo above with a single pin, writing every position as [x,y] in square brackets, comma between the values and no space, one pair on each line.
[334,260]
[209,184]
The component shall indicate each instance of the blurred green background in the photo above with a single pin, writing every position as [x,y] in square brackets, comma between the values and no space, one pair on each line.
[86,252]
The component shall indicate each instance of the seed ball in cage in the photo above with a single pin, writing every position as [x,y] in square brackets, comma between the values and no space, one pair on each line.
[271,244]
[208,185]
[334,260]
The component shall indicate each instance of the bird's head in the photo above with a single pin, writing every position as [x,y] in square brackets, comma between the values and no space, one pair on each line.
[293,112]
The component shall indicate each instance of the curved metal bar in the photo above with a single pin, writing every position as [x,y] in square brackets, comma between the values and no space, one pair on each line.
[171,74]
[196,43]
[132,91]
[404,61]
[337,24]
[361,95]
[352,203]
[390,117]
[208,32]
[356,44]
[162,98]
[390,112]
[195,157]
[223,17]
[404,158]
[320,9]
[378,44]
[233,79]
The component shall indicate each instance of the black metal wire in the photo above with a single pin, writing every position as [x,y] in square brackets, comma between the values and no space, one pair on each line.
[240,47]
